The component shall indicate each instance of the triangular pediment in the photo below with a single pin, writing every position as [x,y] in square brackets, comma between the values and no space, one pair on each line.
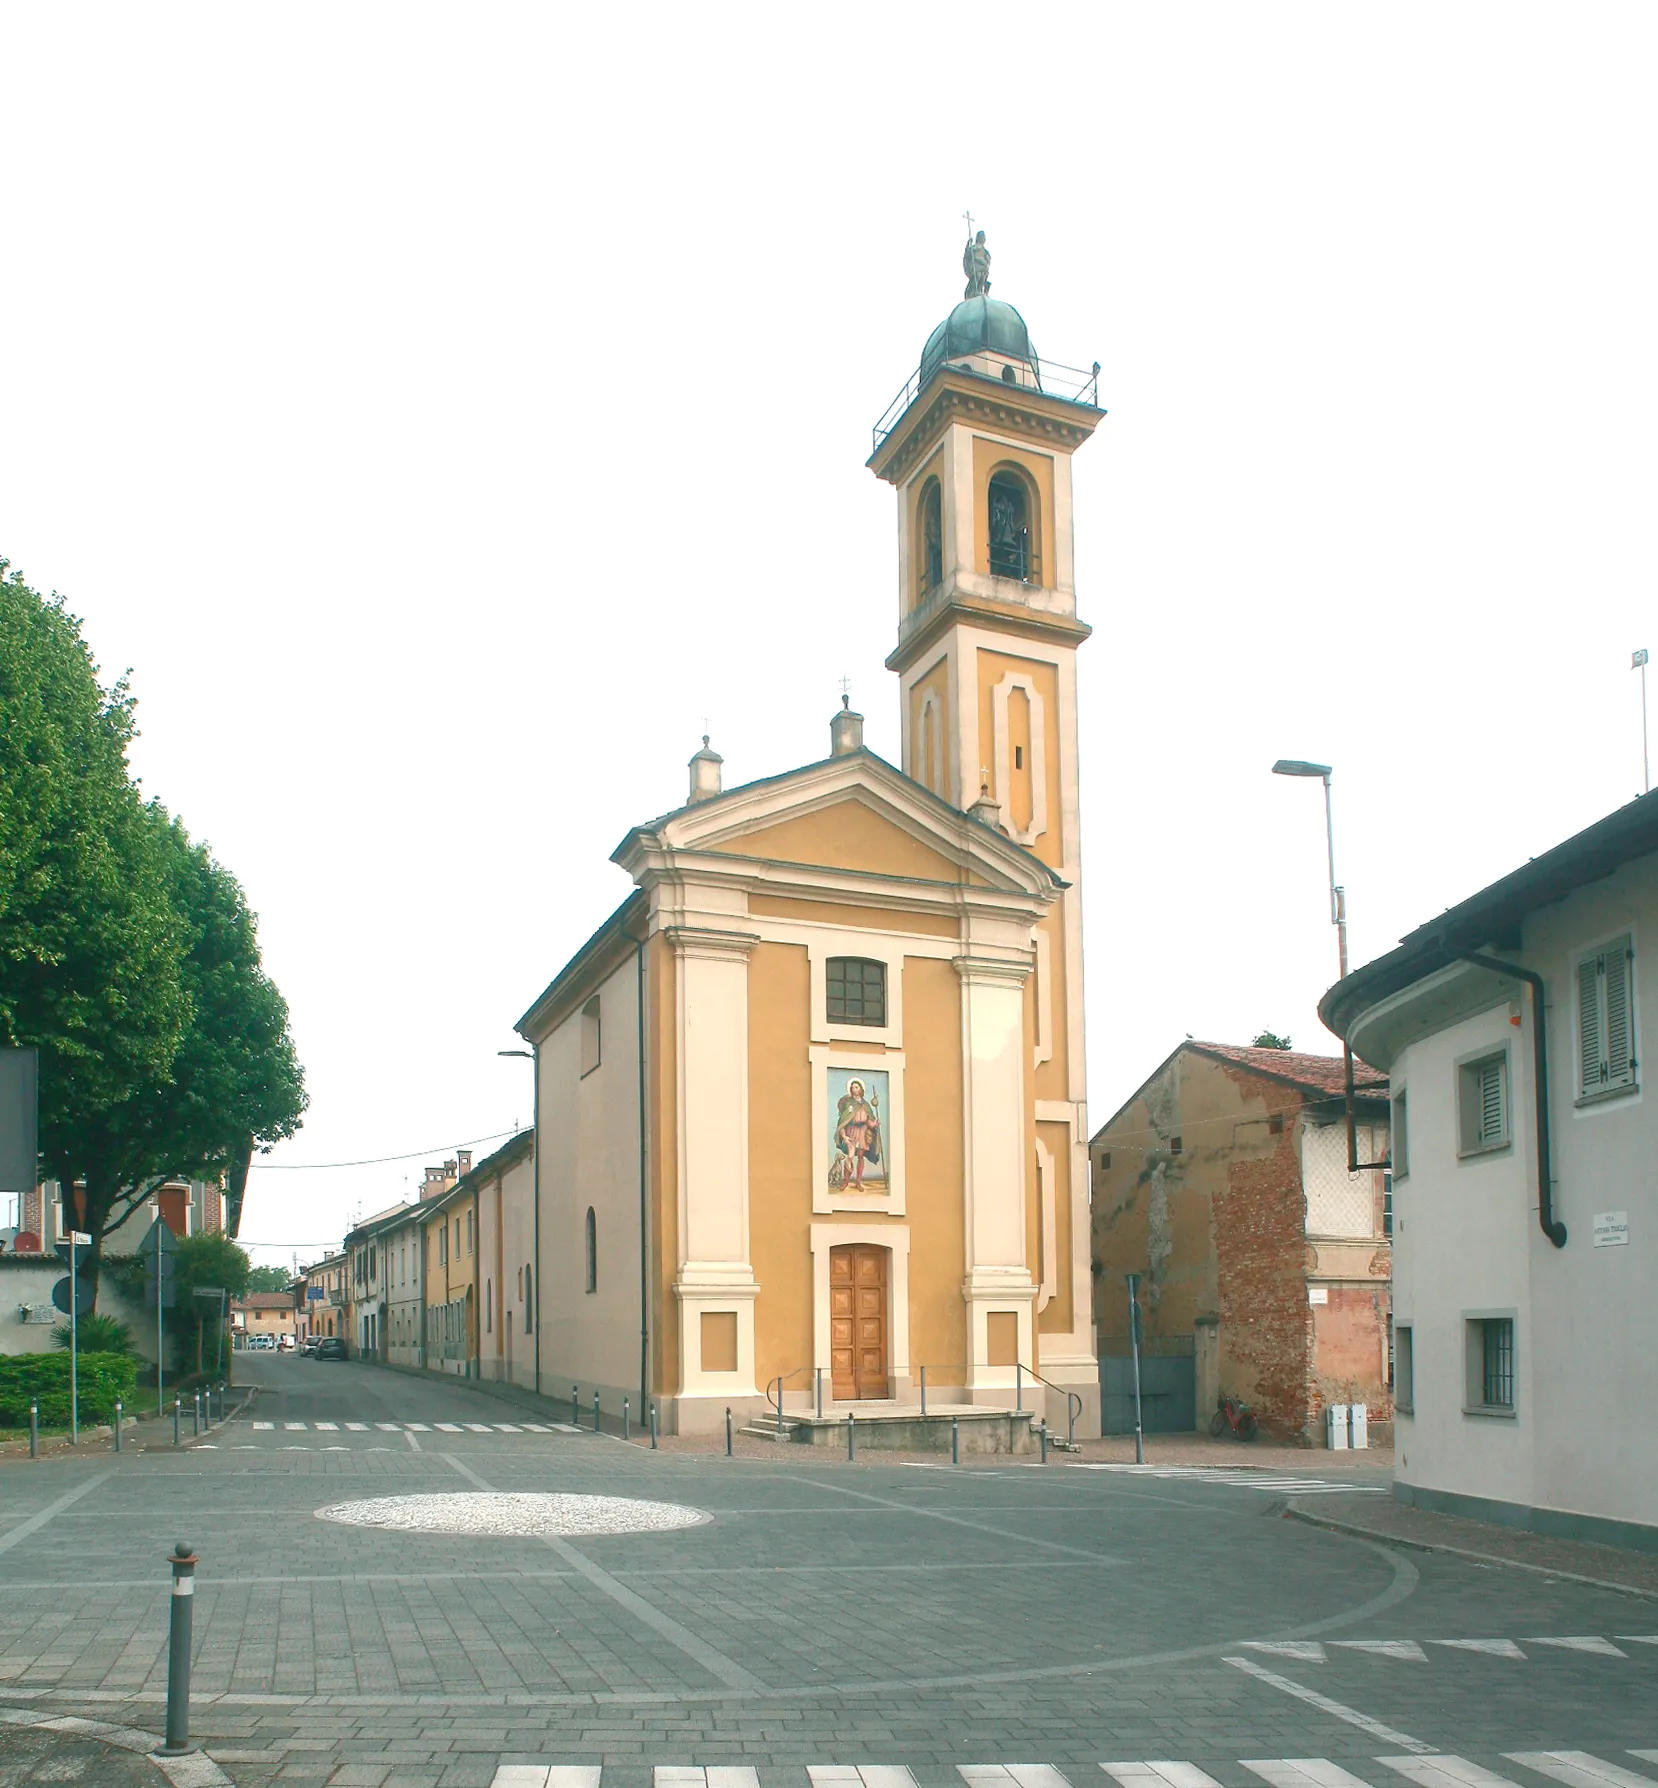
[854,814]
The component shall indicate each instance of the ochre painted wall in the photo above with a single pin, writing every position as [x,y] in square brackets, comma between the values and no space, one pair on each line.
[846,835]
[934,1167]
[1053,1077]
[993,666]
[825,912]
[780,1161]
[1056,1319]
[936,683]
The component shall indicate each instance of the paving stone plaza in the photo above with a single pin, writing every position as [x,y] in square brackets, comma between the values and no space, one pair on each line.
[508,1600]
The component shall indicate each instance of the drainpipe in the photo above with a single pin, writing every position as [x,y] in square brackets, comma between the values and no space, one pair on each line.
[1550,1225]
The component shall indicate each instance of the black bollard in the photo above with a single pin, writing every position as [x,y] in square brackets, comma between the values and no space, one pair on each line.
[34,1429]
[183,1561]
[178,1407]
[851,1434]
[595,1412]
[728,1432]
[627,1432]
[955,1440]
[117,1424]
[575,1408]
[1044,1440]
[196,1415]
[653,1427]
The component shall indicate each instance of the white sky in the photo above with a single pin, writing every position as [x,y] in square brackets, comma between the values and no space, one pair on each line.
[442,410]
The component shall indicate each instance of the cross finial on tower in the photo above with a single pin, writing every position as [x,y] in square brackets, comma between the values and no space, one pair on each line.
[846,692]
[969,216]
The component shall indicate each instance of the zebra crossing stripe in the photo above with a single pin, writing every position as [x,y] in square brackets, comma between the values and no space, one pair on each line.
[1164,1774]
[1449,1771]
[1386,1648]
[715,1775]
[1597,1647]
[1305,1651]
[542,1775]
[859,1775]
[358,1427]
[294,1427]
[1577,1769]
[389,1427]
[1301,1772]
[1024,1775]
[536,1428]
[505,1428]
[267,1426]
[327,1427]
[447,1427]
[416,1427]
[477,1427]
[1492,1648]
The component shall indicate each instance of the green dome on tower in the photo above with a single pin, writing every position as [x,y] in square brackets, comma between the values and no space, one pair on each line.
[978,326]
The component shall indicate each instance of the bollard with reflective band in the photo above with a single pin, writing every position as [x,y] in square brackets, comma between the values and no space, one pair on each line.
[1044,1440]
[595,1412]
[728,1433]
[923,1390]
[575,1407]
[955,1440]
[117,1424]
[653,1427]
[184,1562]
[196,1415]
[820,1393]
[34,1430]
[626,1431]
[851,1434]
[1019,1383]
[178,1410]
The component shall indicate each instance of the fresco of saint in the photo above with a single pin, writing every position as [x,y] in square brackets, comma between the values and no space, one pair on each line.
[857,1157]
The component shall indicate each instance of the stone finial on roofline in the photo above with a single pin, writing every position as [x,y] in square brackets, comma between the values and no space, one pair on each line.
[705,773]
[846,730]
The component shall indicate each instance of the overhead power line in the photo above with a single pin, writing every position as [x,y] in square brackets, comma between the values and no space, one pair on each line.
[376,1161]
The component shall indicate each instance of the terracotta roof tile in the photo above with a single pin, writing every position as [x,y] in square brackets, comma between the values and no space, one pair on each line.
[1319,1073]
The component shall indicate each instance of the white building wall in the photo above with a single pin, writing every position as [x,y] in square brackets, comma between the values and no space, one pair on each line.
[506,1253]
[405,1298]
[589,1142]
[1467,1239]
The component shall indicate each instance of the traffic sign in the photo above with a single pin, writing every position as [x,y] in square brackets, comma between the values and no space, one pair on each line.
[85,1294]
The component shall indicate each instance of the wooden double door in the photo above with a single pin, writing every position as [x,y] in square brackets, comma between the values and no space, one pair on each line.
[858,1322]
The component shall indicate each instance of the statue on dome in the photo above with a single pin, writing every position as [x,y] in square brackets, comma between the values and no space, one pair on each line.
[975,263]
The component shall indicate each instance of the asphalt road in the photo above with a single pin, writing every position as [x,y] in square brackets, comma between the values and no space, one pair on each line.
[813,1613]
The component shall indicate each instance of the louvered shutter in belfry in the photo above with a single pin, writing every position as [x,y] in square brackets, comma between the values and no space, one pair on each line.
[1588,1020]
[1491,1102]
[1616,966]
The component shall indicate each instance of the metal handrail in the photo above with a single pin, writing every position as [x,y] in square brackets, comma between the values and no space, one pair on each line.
[1070,383]
[1072,1400]
[779,1381]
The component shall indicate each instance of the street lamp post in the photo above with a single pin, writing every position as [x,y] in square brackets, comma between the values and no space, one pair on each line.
[1288,766]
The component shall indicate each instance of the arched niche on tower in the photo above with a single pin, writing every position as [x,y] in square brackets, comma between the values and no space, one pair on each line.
[928,536]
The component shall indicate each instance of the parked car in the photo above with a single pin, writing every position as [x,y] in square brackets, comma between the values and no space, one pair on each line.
[310,1345]
[284,1343]
[330,1347]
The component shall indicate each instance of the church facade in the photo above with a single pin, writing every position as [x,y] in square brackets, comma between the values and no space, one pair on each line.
[812,1098]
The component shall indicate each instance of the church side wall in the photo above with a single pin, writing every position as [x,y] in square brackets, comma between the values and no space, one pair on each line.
[780,1162]
[590,1140]
[934,1159]
[663,1052]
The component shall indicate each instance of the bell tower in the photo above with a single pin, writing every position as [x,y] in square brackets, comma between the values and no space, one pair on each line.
[978,447]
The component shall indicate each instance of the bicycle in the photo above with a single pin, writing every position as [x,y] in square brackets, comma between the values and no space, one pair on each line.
[1236,1415]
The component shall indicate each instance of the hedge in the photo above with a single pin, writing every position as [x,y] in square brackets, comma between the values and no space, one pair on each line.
[44,1377]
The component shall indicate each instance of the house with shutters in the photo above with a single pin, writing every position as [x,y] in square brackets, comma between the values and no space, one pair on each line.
[1525,1203]
[1264,1261]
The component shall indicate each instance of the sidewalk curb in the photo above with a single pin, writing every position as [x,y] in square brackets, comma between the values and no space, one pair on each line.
[1297,1512]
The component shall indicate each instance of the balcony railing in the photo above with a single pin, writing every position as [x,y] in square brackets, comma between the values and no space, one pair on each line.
[1069,383]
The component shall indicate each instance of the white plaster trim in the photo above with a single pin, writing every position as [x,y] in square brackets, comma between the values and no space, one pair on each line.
[1003,756]
[896,1239]
[699,1291]
[1044,1049]
[875,946]
[1050,1224]
[824,1056]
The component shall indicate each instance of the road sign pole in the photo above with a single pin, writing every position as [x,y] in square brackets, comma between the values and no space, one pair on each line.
[160,1403]
[74,1363]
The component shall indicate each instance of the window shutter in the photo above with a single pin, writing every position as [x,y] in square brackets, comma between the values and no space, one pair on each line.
[1491,1102]
[1588,1019]
[1620,1067]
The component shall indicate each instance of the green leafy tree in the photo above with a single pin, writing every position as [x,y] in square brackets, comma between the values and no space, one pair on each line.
[269,1279]
[91,944]
[1271,1040]
[128,955]
[205,1262]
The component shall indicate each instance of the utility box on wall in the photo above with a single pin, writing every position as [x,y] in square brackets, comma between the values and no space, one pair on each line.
[1335,1427]
[1358,1427]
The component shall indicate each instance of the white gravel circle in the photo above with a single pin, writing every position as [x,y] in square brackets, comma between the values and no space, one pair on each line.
[517,1516]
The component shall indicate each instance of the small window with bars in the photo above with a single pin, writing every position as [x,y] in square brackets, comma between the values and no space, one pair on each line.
[855,990]
[1491,1364]
[1605,1020]
[1484,1104]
